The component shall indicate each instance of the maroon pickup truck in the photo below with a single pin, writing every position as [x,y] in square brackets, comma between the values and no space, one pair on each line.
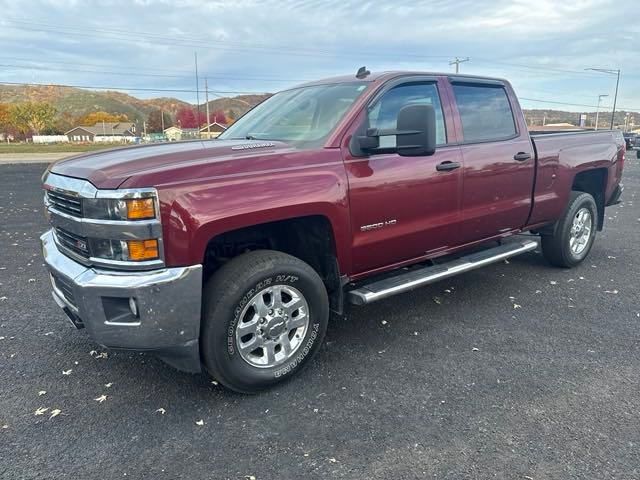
[229,255]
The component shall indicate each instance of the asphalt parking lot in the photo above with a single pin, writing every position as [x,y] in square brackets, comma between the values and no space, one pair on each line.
[516,371]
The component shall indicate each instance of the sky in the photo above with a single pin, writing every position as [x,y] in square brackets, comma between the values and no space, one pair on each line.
[147,47]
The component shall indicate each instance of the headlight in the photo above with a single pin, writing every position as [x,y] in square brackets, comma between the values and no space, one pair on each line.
[125,250]
[116,209]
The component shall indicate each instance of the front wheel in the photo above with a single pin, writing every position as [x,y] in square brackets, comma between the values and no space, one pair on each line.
[574,234]
[264,317]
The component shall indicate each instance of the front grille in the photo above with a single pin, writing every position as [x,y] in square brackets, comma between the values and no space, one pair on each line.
[73,242]
[65,288]
[65,203]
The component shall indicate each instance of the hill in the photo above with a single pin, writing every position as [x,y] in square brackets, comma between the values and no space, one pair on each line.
[77,102]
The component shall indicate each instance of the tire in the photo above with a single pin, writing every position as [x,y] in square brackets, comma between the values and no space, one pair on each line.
[237,315]
[567,246]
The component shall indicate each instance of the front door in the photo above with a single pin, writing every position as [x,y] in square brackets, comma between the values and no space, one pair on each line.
[403,207]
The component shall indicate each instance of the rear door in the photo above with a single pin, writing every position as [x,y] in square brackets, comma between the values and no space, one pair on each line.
[404,207]
[499,161]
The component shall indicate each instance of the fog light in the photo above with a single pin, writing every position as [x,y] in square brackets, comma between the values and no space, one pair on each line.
[143,249]
[133,306]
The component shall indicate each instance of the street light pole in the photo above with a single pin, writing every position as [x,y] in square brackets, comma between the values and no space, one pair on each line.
[600,97]
[615,98]
[615,72]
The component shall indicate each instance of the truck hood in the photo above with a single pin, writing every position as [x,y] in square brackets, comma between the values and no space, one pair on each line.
[109,169]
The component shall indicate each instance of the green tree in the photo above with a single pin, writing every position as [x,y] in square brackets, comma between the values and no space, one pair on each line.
[154,121]
[32,116]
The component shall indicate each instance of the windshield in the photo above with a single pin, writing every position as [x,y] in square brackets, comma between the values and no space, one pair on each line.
[302,116]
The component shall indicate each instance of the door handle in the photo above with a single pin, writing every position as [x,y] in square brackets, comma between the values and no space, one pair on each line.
[447,165]
[522,156]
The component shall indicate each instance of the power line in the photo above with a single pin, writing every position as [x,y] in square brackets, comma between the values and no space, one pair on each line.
[203,43]
[91,87]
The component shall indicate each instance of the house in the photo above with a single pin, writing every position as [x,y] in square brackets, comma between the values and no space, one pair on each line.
[212,130]
[174,134]
[103,132]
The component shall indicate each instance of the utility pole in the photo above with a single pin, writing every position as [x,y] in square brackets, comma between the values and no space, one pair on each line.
[162,120]
[600,97]
[195,54]
[457,62]
[206,93]
[615,72]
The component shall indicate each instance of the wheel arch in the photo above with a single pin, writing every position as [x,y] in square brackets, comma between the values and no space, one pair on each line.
[593,182]
[311,238]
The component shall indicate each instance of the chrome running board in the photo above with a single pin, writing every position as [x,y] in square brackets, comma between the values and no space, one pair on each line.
[405,281]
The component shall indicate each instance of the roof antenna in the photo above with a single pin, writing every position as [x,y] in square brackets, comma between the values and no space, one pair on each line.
[363,72]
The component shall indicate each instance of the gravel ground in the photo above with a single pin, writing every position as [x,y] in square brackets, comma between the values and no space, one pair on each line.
[518,371]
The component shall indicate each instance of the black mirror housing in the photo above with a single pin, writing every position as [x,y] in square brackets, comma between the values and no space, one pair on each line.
[416,131]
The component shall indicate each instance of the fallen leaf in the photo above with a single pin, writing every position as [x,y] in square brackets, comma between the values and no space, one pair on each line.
[553,282]
[437,300]
[41,411]
[333,460]
[108,385]
[200,422]
[213,382]
[31,280]
[515,305]
[5,426]
[250,477]
[67,372]
[101,398]
[161,411]
[2,299]
[475,349]
[384,322]
[42,392]
[55,413]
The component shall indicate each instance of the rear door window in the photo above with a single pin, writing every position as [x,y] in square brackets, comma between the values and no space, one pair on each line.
[485,112]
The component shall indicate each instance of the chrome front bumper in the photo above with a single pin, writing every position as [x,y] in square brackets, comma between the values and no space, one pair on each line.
[167,301]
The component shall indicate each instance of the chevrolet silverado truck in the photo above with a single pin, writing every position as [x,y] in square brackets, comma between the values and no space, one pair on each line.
[229,255]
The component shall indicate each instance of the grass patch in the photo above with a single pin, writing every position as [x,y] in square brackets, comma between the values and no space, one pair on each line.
[54,147]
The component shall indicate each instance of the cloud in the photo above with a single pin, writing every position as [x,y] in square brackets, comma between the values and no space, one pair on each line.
[543,47]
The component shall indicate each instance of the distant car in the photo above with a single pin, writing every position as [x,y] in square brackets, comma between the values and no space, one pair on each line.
[631,140]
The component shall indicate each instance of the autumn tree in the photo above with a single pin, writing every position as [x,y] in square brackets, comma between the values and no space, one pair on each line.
[64,122]
[219,116]
[93,118]
[155,123]
[32,116]
[5,119]
[188,117]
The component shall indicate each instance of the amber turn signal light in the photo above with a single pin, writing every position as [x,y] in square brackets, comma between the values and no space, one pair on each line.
[143,250]
[140,209]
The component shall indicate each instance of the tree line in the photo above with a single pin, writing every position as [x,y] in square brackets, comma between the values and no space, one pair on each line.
[22,120]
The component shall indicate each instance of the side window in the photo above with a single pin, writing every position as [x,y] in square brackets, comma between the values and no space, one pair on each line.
[384,113]
[485,112]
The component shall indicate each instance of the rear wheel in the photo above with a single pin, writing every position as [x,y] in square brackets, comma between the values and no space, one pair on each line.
[265,315]
[574,234]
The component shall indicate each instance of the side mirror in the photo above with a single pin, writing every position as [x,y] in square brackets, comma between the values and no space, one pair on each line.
[415,134]
[416,131]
